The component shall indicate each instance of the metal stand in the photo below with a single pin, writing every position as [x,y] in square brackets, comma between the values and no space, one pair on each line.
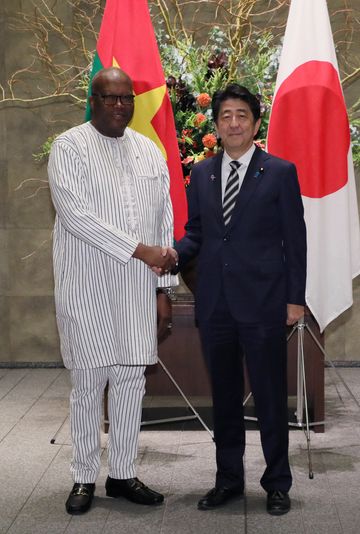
[329,361]
[53,439]
[195,415]
[302,406]
[301,393]
[176,419]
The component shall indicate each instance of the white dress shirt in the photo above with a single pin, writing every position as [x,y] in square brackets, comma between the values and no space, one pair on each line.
[226,169]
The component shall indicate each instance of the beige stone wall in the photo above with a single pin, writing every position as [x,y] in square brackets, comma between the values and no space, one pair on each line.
[27,320]
[27,316]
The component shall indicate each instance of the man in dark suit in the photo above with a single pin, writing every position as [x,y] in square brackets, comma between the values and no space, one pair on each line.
[247,228]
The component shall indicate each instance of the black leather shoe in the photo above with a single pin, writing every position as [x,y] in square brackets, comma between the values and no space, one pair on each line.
[133,490]
[218,496]
[278,502]
[80,498]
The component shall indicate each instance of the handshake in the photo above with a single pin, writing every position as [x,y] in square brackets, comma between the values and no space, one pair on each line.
[161,260]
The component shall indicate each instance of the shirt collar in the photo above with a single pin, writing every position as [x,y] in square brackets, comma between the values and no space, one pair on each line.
[121,139]
[244,159]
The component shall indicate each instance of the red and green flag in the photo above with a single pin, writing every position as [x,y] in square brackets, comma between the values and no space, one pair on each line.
[127,40]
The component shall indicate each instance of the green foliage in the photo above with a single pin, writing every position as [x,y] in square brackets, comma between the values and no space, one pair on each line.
[192,69]
[355,139]
[195,72]
[84,80]
[45,149]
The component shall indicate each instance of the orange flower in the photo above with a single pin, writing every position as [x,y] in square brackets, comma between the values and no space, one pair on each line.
[209,140]
[187,180]
[203,100]
[199,119]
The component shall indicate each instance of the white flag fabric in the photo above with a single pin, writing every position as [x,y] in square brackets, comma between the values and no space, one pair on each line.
[309,126]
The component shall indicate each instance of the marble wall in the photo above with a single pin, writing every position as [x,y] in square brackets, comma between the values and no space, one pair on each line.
[27,322]
[27,317]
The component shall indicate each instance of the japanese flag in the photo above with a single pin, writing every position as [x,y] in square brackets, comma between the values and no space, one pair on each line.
[309,126]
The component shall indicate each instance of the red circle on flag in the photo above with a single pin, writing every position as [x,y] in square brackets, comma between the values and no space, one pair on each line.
[309,126]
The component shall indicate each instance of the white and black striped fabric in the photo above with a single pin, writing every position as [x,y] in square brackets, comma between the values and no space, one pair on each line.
[109,195]
[126,391]
[231,191]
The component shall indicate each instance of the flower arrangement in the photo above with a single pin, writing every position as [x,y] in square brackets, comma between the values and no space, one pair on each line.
[193,74]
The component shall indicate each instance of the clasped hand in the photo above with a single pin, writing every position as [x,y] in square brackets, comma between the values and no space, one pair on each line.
[160,259]
[169,261]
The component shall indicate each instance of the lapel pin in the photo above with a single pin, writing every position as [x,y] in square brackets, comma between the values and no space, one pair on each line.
[260,171]
[212,177]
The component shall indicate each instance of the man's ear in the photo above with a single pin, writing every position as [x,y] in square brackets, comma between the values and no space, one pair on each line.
[257,126]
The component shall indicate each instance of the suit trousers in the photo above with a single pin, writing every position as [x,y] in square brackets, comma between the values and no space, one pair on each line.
[126,391]
[225,343]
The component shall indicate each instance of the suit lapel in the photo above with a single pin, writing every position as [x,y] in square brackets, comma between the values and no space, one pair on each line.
[215,179]
[252,179]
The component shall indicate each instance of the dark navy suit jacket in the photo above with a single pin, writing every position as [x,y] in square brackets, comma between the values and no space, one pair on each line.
[259,259]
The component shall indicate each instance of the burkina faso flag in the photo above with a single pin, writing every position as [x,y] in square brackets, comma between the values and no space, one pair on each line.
[127,40]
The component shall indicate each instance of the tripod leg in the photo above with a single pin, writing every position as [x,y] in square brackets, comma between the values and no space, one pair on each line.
[294,329]
[301,369]
[332,365]
[186,399]
[53,439]
[247,398]
[300,383]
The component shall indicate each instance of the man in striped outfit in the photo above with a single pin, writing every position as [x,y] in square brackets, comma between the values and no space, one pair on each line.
[114,222]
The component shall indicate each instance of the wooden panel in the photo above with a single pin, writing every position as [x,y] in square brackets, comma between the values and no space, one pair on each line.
[181,355]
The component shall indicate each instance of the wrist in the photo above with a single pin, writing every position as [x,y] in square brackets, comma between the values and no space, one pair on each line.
[140,251]
[168,291]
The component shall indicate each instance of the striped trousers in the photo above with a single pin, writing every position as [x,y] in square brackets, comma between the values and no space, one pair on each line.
[126,391]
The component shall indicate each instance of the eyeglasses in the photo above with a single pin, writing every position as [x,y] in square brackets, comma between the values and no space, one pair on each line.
[112,100]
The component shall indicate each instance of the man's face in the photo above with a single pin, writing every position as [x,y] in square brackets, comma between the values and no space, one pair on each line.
[111,120]
[236,126]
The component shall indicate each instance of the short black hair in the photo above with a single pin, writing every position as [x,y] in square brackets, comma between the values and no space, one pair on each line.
[233,91]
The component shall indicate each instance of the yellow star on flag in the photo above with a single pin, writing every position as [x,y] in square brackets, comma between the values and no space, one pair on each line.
[146,106]
[127,40]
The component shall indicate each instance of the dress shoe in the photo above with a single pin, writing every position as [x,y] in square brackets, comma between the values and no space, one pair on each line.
[218,496]
[278,502]
[80,498]
[133,490]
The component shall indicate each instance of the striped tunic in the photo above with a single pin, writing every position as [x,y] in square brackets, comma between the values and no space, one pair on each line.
[109,194]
